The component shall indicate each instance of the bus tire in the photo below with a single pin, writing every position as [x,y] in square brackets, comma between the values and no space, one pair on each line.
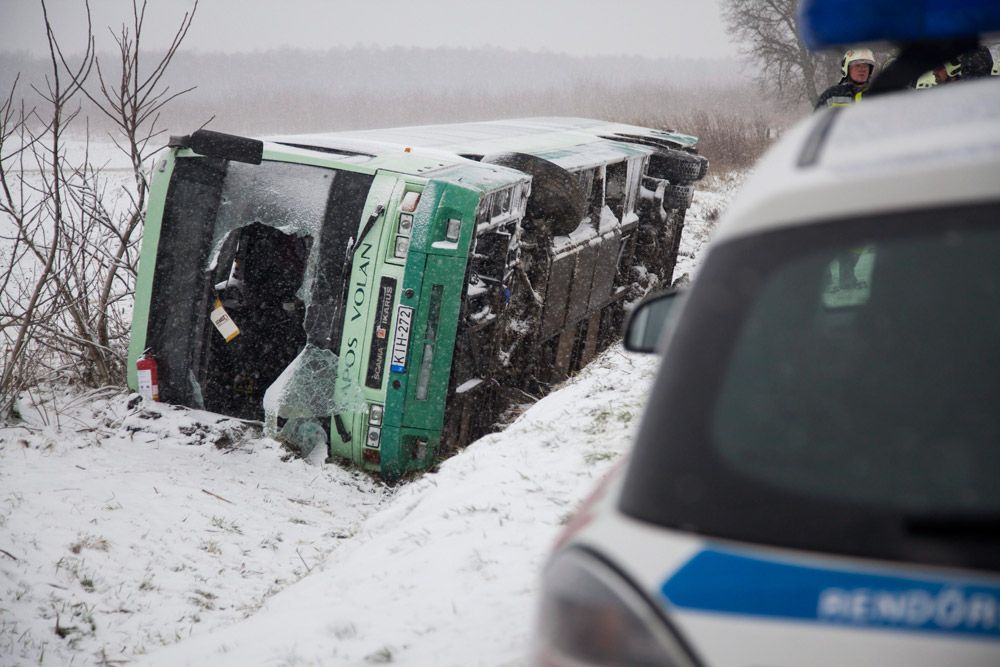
[678,196]
[556,200]
[678,166]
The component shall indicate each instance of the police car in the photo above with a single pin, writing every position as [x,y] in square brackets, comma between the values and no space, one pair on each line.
[816,479]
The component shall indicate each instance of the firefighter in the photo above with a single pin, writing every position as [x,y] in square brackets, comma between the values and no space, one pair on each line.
[948,72]
[858,66]
[979,62]
[926,80]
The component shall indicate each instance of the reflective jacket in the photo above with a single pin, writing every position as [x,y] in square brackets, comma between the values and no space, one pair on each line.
[844,94]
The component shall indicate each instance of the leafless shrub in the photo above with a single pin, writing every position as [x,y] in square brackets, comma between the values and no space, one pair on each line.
[70,258]
[730,143]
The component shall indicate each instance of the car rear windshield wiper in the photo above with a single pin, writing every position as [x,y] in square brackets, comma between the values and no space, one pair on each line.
[959,525]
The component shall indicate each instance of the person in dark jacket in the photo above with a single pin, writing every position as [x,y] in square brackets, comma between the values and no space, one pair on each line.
[978,62]
[858,66]
[983,61]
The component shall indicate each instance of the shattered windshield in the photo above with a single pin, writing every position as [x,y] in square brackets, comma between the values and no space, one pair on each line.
[258,253]
[289,197]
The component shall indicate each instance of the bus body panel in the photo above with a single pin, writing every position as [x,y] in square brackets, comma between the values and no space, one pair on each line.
[395,295]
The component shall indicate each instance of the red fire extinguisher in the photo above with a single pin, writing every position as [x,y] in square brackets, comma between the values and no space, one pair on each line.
[145,370]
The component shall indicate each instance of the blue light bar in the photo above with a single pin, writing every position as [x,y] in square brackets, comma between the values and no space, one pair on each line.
[826,23]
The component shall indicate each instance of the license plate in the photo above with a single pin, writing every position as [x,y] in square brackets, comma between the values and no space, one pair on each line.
[401,339]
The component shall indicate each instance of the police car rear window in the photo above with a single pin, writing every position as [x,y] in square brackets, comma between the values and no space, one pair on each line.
[871,373]
[847,383]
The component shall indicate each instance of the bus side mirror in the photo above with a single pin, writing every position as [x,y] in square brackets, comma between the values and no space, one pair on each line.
[647,322]
[220,145]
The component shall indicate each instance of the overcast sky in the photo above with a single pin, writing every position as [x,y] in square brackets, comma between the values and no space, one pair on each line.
[653,28]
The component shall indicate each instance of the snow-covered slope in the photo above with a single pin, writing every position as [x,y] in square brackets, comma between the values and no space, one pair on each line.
[148,534]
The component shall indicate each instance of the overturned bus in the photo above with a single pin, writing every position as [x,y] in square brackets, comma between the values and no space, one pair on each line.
[385,294]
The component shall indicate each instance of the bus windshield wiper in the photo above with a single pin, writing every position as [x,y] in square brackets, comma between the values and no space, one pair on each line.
[353,246]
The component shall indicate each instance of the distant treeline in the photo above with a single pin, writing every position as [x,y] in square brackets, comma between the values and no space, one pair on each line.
[282,91]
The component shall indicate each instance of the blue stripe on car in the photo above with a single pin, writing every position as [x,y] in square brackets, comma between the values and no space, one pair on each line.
[734,583]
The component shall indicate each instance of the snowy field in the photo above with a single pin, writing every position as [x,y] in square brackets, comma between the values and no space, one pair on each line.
[156,535]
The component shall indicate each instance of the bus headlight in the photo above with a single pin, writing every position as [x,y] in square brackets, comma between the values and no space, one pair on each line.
[374,435]
[375,414]
[402,246]
[405,223]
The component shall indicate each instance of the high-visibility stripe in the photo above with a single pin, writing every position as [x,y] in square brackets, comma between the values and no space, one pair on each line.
[843,100]
[730,582]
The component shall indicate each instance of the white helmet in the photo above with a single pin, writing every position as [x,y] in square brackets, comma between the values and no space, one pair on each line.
[857,56]
[926,80]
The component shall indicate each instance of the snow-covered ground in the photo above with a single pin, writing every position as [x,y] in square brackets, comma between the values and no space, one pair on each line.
[157,535]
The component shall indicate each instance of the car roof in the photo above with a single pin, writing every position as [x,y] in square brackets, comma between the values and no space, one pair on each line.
[896,152]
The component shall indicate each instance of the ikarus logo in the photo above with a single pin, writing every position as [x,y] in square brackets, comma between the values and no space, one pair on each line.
[380,330]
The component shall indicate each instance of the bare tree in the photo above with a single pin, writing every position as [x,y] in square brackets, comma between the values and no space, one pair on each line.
[70,256]
[769,33]
[131,97]
[33,180]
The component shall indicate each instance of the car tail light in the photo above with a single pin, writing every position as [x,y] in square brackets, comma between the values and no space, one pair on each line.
[591,616]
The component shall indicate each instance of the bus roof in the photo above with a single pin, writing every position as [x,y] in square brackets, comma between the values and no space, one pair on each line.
[569,142]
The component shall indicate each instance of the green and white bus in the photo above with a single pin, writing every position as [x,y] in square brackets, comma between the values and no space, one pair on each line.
[384,294]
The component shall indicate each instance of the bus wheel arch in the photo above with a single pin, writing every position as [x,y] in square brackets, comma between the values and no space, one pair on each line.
[556,199]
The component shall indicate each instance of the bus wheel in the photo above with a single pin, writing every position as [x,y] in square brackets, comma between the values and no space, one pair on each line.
[678,196]
[555,198]
[678,166]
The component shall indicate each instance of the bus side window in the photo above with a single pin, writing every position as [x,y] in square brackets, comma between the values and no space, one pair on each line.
[596,203]
[501,203]
[616,188]
[586,180]
[636,168]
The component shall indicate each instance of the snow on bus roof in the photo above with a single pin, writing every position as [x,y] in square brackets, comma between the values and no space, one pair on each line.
[570,142]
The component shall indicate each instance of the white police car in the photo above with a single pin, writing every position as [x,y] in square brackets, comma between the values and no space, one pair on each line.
[816,480]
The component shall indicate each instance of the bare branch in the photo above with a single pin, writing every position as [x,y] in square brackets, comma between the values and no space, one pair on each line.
[64,310]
